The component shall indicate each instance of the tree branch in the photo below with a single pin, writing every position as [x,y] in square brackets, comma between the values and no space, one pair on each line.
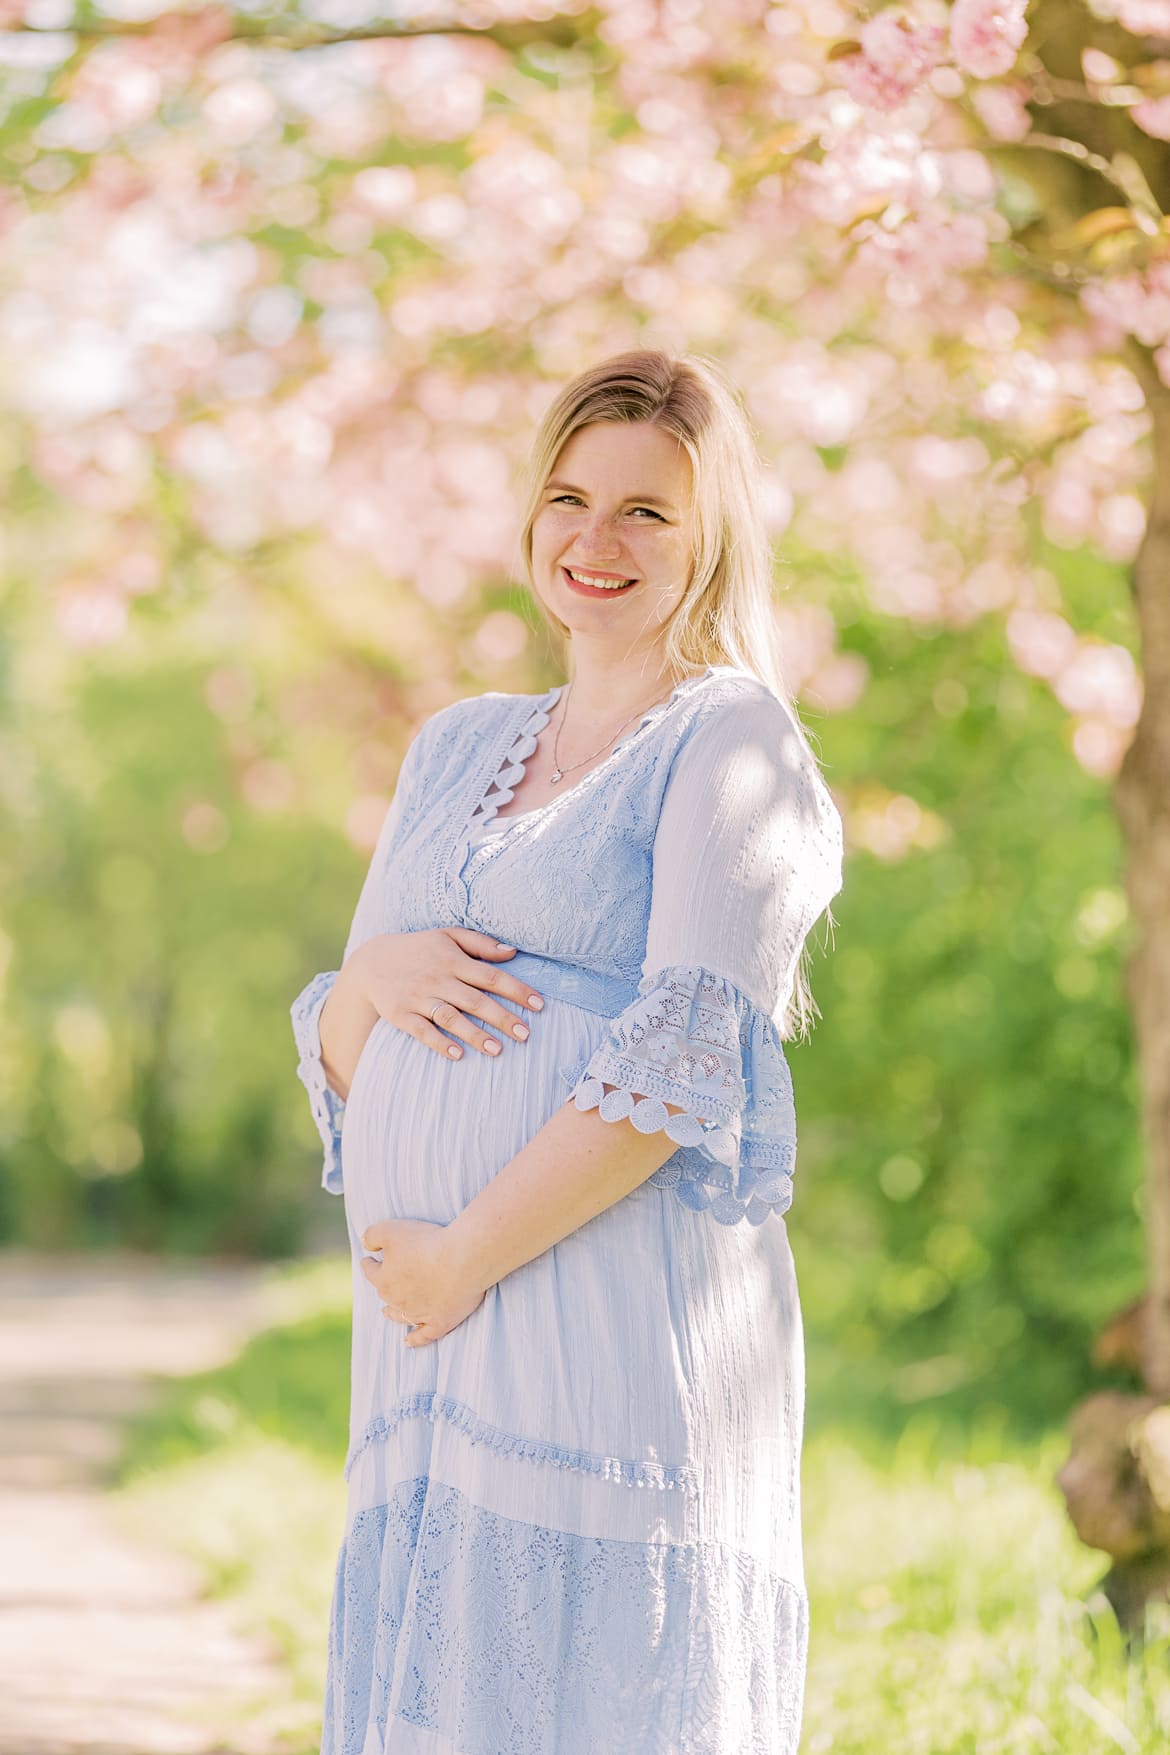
[558,32]
[1122,172]
[1047,90]
[1065,277]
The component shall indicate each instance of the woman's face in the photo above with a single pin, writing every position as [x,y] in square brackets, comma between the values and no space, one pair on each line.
[615,512]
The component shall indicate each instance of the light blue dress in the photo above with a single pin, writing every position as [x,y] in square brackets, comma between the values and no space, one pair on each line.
[574,1522]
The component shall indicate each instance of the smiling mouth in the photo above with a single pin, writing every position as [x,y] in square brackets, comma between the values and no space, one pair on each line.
[596,584]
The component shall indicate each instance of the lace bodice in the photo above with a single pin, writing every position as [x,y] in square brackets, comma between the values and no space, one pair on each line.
[691,863]
[483,828]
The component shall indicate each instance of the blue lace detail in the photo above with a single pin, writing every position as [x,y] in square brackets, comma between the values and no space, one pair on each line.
[327,1107]
[428,1405]
[494,1634]
[694,1040]
[502,788]
[512,768]
[590,814]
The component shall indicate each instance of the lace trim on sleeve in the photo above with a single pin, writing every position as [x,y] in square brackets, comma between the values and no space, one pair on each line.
[327,1107]
[694,1040]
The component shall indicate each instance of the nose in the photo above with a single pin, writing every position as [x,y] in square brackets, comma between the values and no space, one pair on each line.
[597,537]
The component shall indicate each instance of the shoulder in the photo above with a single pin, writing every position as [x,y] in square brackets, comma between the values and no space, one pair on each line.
[732,709]
[473,715]
[739,733]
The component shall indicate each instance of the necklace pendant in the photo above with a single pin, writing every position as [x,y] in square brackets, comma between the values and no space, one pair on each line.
[555,777]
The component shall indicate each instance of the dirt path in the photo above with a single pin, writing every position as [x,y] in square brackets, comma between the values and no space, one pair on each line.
[107,1647]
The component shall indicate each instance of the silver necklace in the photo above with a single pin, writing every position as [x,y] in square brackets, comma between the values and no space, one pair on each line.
[559,772]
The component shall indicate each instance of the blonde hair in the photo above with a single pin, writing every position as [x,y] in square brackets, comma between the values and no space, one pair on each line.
[725,615]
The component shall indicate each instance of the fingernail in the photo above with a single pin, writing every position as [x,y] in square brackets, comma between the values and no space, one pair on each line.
[501,947]
[454,1052]
[520,1030]
[491,1047]
[535,1001]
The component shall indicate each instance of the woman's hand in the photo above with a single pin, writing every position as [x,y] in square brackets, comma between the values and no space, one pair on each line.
[422,1277]
[407,976]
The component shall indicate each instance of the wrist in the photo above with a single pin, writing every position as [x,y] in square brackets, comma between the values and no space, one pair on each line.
[351,977]
[344,1024]
[468,1254]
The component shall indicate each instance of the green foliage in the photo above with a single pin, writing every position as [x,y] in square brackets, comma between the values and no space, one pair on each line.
[968,1192]
[159,932]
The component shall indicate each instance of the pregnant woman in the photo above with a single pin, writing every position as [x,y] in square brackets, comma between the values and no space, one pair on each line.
[551,1088]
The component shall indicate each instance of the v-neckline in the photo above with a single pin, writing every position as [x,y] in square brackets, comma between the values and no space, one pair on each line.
[504,760]
[522,744]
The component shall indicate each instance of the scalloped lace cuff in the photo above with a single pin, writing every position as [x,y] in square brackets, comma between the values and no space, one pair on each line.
[328,1108]
[693,1039]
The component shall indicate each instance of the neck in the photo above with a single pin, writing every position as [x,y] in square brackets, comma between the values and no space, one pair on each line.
[605,691]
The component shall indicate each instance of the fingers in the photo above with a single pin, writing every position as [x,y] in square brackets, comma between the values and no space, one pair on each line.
[448,1017]
[494,979]
[372,1270]
[477,1004]
[479,944]
[420,1335]
[426,1033]
[470,1003]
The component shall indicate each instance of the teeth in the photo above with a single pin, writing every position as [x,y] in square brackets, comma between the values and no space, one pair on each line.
[602,584]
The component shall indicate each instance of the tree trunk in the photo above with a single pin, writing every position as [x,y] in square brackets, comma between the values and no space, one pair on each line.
[1116,1481]
[1142,801]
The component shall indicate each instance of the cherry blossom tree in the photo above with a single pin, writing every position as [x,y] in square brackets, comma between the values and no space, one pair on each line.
[285,289]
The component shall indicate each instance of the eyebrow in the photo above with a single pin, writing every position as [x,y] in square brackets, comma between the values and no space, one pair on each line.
[642,499]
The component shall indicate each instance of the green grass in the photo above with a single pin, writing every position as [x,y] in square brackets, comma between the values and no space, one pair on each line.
[241,1469]
[953,1611]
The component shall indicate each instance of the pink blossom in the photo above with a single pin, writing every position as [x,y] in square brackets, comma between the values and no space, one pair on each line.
[1099,747]
[986,35]
[90,613]
[896,55]
[1002,110]
[1145,18]
[922,252]
[1101,680]
[1139,304]
[1041,642]
[1154,117]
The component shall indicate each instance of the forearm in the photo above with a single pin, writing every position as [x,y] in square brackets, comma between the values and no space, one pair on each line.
[573,1169]
[345,1021]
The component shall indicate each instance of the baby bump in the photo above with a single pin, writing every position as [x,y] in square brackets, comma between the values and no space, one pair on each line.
[423,1134]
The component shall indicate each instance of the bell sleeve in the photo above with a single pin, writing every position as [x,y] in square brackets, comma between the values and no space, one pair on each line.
[747,855]
[328,1108]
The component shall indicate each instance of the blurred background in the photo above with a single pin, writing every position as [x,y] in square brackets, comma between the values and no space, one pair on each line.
[283,294]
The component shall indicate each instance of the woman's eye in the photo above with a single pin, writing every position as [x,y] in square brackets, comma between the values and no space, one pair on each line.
[559,499]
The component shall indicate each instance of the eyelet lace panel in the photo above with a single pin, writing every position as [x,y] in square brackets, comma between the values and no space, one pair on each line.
[694,1040]
[327,1107]
[429,1405]
[492,1633]
[511,770]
